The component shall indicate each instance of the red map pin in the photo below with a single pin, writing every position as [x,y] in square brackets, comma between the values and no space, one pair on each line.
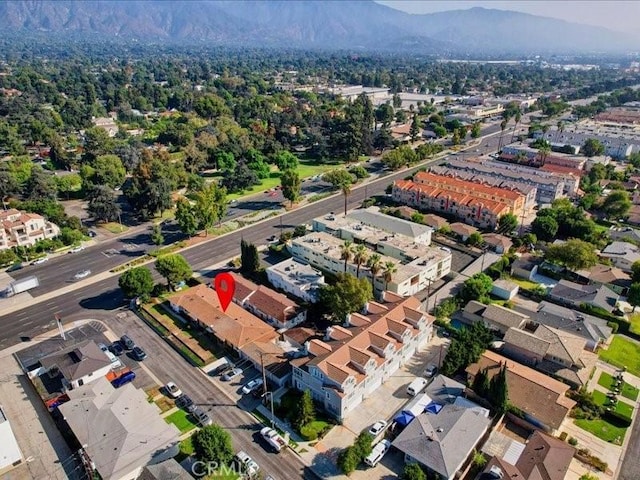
[225,286]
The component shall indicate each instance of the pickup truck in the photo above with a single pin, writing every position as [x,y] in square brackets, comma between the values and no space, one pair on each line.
[273,438]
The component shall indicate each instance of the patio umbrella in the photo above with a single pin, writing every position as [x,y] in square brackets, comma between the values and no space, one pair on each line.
[404,418]
[433,408]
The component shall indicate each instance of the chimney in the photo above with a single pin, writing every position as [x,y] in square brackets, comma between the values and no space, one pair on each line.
[327,334]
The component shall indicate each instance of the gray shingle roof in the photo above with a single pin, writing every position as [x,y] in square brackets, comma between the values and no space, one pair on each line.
[526,341]
[503,316]
[374,218]
[79,362]
[577,294]
[120,428]
[442,441]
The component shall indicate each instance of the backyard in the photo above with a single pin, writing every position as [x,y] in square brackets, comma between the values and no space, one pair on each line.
[627,391]
[623,353]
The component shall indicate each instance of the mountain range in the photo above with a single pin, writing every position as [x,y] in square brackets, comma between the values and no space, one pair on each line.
[349,24]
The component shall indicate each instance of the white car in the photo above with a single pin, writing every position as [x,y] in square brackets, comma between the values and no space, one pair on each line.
[377,428]
[172,390]
[249,466]
[40,261]
[77,249]
[251,386]
[230,375]
[82,274]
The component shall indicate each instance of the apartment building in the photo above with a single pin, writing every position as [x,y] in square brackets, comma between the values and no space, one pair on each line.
[562,160]
[617,142]
[372,217]
[515,200]
[416,266]
[549,187]
[296,278]
[24,229]
[571,182]
[529,191]
[352,361]
[477,211]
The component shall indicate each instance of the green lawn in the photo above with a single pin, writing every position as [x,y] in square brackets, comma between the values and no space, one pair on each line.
[306,169]
[526,284]
[601,429]
[181,421]
[623,353]
[114,227]
[186,449]
[628,391]
[634,320]
[622,408]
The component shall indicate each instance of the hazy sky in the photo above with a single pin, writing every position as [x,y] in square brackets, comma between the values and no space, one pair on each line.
[616,15]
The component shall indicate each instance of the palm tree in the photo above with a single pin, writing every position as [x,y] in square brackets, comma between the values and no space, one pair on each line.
[360,256]
[503,125]
[389,269]
[375,265]
[346,251]
[346,191]
[544,151]
[517,118]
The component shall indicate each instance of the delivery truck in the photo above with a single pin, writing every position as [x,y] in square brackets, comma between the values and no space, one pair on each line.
[22,285]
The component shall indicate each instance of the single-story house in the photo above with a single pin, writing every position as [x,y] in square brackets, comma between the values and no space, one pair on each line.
[442,442]
[495,317]
[593,329]
[498,243]
[626,233]
[541,398]
[463,230]
[435,221]
[167,470]
[525,266]
[573,294]
[120,431]
[612,277]
[622,254]
[504,289]
[543,457]
[83,364]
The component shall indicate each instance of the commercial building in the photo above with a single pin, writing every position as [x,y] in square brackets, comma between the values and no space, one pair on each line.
[119,430]
[22,229]
[10,454]
[415,265]
[83,364]
[549,187]
[618,143]
[296,278]
[352,361]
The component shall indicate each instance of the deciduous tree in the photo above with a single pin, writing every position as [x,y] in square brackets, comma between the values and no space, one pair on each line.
[174,268]
[249,258]
[349,294]
[102,204]
[213,444]
[341,180]
[186,218]
[574,254]
[476,288]
[291,185]
[136,282]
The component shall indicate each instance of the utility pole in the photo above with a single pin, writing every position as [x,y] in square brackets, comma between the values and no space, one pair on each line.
[60,327]
[280,226]
[264,375]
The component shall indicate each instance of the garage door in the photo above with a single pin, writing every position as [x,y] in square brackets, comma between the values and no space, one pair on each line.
[392,368]
[372,387]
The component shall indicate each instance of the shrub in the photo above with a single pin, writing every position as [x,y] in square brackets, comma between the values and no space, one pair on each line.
[563,436]
[573,441]
[613,326]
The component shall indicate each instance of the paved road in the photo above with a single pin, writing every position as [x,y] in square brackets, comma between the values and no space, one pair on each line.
[168,365]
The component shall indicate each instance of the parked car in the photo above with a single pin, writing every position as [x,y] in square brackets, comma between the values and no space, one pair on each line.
[103,347]
[123,379]
[92,234]
[138,353]
[172,390]
[77,249]
[40,261]
[273,438]
[15,267]
[378,428]
[185,402]
[116,348]
[252,385]
[430,371]
[233,373]
[201,417]
[249,466]
[377,453]
[82,274]
[126,342]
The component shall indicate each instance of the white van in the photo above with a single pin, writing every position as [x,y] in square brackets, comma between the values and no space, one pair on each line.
[377,453]
[416,386]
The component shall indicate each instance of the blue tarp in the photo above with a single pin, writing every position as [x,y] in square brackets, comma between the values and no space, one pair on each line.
[433,407]
[404,418]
